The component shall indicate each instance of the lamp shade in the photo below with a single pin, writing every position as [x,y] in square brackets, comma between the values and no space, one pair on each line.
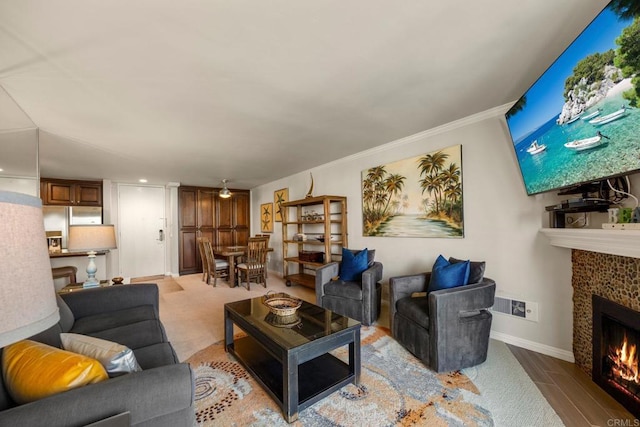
[27,293]
[91,237]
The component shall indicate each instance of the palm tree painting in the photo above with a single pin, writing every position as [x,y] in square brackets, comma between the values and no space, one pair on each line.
[416,197]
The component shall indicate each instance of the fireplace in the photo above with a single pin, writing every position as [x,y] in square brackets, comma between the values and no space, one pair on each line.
[616,344]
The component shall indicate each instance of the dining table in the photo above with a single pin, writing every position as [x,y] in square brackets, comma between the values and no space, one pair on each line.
[232,253]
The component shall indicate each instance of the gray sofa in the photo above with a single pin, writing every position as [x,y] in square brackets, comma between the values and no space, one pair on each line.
[162,394]
[447,329]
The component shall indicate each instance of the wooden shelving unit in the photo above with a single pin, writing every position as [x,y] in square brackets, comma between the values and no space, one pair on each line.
[316,217]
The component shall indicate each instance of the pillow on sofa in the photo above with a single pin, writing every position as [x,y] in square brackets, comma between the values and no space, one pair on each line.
[476,269]
[445,275]
[33,370]
[116,358]
[371,257]
[353,265]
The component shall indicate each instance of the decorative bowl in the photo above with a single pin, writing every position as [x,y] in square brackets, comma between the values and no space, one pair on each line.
[282,305]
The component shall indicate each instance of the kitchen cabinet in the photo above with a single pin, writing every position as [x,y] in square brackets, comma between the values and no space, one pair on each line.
[63,192]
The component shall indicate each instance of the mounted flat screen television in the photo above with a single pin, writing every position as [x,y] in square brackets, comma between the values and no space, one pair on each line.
[580,122]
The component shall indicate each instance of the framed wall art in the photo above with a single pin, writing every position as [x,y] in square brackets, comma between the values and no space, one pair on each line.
[279,197]
[416,197]
[266,217]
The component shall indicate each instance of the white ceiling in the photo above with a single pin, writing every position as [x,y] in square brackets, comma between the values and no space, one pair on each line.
[252,91]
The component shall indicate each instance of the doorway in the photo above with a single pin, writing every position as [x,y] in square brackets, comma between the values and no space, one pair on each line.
[141,235]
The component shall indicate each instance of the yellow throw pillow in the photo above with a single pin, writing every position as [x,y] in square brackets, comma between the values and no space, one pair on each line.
[33,370]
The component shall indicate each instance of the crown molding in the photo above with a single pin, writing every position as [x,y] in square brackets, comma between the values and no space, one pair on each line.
[447,127]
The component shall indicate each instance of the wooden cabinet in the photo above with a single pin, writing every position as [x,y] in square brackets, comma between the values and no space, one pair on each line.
[233,220]
[225,222]
[322,220]
[63,192]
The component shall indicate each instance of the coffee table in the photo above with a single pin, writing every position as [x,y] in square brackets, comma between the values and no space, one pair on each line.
[289,356]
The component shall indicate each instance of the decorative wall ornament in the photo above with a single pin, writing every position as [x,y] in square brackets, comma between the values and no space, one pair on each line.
[416,197]
[310,192]
[266,217]
[279,197]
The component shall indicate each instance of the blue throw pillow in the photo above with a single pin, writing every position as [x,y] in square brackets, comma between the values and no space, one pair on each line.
[352,266]
[476,269]
[445,275]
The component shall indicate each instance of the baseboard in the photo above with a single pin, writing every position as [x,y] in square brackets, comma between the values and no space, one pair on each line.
[534,346]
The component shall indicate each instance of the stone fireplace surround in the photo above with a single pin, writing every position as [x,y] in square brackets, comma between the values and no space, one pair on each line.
[614,277]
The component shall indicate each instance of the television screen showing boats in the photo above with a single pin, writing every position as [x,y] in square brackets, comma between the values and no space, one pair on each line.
[587,143]
[592,86]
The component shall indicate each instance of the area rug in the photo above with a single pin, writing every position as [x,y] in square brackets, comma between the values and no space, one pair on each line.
[395,390]
[509,393]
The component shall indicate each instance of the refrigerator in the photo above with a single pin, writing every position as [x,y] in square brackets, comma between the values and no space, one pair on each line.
[59,218]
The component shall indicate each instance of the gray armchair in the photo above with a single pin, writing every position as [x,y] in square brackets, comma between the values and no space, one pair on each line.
[447,329]
[357,300]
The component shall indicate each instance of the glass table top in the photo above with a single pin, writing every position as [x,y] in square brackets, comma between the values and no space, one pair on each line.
[310,322]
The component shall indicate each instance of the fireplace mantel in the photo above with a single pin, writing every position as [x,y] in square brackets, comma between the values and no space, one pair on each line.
[614,242]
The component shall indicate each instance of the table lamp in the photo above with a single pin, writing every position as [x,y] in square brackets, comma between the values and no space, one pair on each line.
[91,238]
[27,293]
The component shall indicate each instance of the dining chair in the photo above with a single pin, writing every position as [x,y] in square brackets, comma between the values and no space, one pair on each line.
[217,268]
[266,268]
[264,237]
[254,265]
[203,258]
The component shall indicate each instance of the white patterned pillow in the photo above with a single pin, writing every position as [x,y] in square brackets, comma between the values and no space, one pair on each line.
[117,359]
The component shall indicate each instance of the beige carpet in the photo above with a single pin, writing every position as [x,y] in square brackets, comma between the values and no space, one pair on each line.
[193,318]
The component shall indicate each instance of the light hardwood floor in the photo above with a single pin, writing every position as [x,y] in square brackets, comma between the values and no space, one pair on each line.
[577,400]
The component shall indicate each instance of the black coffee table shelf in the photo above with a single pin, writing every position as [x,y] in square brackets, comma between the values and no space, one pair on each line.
[294,365]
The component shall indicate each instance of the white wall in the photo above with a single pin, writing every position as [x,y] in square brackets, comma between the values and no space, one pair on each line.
[26,185]
[501,225]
